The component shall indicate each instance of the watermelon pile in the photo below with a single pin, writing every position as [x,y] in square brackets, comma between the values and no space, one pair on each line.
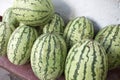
[31,32]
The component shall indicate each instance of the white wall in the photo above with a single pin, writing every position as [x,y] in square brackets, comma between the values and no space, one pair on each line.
[101,12]
[4,4]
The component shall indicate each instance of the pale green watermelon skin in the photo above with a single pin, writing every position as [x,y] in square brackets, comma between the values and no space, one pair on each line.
[78,29]
[20,44]
[86,61]
[9,18]
[56,25]
[33,12]
[5,33]
[48,56]
[109,38]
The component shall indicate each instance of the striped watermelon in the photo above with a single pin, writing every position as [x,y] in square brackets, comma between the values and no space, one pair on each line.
[48,56]
[20,44]
[33,12]
[5,33]
[86,61]
[78,29]
[9,18]
[109,38]
[55,25]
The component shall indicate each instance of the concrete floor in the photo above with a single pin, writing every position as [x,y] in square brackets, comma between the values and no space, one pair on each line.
[5,75]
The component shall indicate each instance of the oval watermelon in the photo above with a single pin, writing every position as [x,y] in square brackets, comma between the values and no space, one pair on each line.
[20,44]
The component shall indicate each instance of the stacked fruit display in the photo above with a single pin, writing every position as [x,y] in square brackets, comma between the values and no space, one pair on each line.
[32,32]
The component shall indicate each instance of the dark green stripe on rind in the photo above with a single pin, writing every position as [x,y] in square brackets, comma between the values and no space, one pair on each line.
[116,30]
[47,57]
[43,18]
[17,46]
[49,5]
[62,55]
[84,27]
[108,34]
[91,31]
[103,67]
[85,69]
[54,56]
[26,9]
[94,62]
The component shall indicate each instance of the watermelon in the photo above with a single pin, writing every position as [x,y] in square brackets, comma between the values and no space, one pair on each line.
[56,25]
[78,29]
[109,38]
[20,44]
[5,33]
[48,56]
[33,12]
[9,18]
[86,61]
